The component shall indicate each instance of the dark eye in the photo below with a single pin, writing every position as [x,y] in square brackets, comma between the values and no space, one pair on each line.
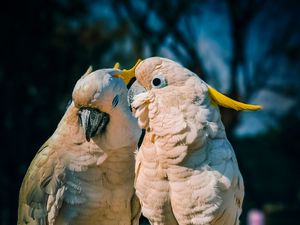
[159,81]
[115,101]
[156,82]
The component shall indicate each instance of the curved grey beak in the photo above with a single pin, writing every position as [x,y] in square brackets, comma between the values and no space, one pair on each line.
[135,89]
[93,122]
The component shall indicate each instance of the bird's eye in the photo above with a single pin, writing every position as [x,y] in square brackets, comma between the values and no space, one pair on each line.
[156,82]
[159,81]
[115,101]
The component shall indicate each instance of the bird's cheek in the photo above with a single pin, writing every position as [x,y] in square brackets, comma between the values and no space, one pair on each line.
[140,100]
[141,113]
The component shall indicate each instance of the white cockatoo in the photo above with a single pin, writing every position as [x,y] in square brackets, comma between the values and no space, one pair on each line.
[84,174]
[186,169]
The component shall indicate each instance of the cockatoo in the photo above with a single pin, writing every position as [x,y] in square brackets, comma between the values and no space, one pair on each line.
[84,174]
[186,169]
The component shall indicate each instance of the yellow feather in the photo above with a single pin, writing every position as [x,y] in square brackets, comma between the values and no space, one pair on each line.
[117,65]
[137,172]
[127,75]
[227,102]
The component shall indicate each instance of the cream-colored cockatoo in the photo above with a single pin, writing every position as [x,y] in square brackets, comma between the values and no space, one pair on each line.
[84,174]
[186,169]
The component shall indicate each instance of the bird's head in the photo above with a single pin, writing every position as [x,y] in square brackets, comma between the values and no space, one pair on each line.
[97,95]
[171,85]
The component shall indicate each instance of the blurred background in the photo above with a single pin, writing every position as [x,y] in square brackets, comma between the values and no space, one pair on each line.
[249,50]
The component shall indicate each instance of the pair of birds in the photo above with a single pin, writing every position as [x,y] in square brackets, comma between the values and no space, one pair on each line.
[185,171]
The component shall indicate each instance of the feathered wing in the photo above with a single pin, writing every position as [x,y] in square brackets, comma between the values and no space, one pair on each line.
[42,190]
[230,182]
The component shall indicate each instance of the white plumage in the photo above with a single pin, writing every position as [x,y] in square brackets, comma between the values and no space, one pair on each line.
[84,174]
[186,169]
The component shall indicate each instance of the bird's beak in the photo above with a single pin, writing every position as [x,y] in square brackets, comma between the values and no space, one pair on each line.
[93,121]
[126,75]
[135,89]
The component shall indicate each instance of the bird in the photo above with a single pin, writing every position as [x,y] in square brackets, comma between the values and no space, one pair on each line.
[186,169]
[84,173]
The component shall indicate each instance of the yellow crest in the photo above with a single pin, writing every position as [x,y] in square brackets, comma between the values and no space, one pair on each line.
[126,75]
[227,102]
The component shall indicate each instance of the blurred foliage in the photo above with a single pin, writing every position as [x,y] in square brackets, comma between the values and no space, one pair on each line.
[47,45]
